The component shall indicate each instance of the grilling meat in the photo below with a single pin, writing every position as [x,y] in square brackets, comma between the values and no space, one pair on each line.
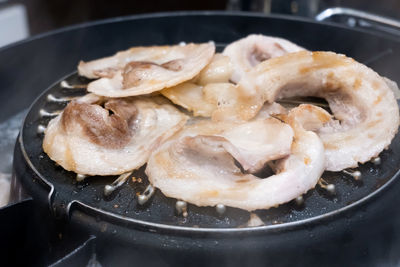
[254,143]
[215,161]
[248,52]
[210,93]
[203,100]
[144,70]
[87,138]
[218,71]
[197,165]
[366,114]
[199,95]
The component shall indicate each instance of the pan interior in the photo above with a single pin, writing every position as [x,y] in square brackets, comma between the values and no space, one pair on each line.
[160,209]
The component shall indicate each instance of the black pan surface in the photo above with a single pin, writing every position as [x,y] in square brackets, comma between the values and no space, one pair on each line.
[160,209]
[365,233]
[376,51]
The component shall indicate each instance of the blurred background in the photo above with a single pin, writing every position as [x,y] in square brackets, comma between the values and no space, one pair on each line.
[20,19]
[30,68]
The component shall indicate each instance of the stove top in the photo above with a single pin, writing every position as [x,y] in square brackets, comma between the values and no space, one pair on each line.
[35,238]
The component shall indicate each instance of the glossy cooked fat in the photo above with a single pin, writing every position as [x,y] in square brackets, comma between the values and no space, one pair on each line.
[211,92]
[198,95]
[87,138]
[213,100]
[366,114]
[202,100]
[254,143]
[248,52]
[219,70]
[143,70]
[197,167]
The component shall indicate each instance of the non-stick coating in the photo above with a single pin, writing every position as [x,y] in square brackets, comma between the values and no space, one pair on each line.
[365,235]
[106,39]
[160,209]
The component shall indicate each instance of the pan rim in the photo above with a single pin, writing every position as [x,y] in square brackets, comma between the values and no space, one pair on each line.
[190,13]
[159,227]
[163,227]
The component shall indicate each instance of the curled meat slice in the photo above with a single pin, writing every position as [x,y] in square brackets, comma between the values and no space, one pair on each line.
[254,143]
[213,100]
[364,107]
[196,166]
[191,97]
[89,139]
[133,73]
[270,110]
[198,95]
[219,70]
[248,52]
[202,100]
[210,94]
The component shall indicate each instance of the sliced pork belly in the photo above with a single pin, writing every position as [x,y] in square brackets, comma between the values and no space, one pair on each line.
[90,139]
[198,167]
[144,70]
[198,95]
[248,52]
[366,114]
[254,143]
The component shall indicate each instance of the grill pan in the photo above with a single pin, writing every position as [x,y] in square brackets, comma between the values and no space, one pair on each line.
[314,232]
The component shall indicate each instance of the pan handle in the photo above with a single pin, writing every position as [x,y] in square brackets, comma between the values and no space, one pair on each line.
[357,18]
